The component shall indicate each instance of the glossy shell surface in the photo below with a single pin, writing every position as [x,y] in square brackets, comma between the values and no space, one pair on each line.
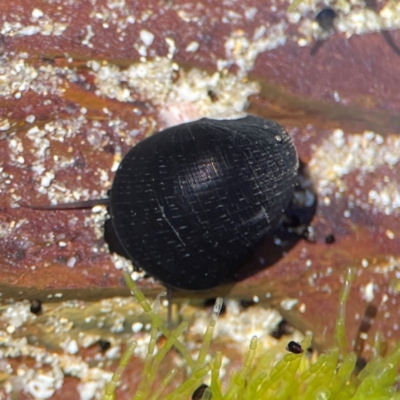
[190,203]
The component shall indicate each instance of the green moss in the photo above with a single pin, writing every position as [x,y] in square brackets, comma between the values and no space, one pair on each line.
[295,376]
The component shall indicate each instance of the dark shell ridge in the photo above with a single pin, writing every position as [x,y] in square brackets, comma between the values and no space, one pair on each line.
[189,203]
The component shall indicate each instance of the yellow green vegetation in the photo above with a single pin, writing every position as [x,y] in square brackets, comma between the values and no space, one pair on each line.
[295,376]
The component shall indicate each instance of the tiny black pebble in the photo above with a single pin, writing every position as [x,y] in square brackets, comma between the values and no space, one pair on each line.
[175,76]
[109,148]
[36,306]
[19,255]
[360,364]
[294,347]
[247,303]
[104,344]
[212,95]
[198,393]
[283,328]
[61,259]
[325,18]
[79,162]
[329,239]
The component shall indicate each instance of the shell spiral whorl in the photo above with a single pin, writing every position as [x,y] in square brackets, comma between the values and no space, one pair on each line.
[189,203]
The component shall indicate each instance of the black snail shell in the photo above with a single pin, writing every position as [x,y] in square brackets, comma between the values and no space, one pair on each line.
[189,203]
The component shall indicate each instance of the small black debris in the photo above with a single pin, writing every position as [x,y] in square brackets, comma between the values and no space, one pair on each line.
[283,328]
[325,18]
[104,344]
[198,393]
[329,239]
[294,347]
[36,307]
[247,303]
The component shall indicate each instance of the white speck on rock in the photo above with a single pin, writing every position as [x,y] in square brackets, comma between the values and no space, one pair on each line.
[28,30]
[339,155]
[146,37]
[46,179]
[171,47]
[250,12]
[5,124]
[192,47]
[43,385]
[368,292]
[30,119]
[36,13]
[288,304]
[88,37]
[72,347]
[137,327]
